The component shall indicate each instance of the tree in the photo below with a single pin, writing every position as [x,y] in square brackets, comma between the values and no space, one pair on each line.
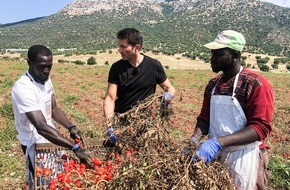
[264,67]
[78,62]
[257,57]
[243,62]
[288,67]
[276,61]
[274,66]
[244,57]
[91,61]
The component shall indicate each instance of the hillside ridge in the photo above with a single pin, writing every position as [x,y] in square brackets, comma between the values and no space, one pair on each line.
[169,26]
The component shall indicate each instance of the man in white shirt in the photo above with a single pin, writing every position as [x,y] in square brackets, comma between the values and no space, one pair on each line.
[35,107]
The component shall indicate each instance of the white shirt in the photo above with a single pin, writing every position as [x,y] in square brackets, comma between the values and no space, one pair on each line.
[27,96]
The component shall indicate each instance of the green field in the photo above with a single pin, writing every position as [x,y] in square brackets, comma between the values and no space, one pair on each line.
[80,90]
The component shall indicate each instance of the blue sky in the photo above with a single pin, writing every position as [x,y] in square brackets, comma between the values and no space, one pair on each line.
[18,10]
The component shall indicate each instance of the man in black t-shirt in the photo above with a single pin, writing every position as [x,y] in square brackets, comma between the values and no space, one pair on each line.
[134,77]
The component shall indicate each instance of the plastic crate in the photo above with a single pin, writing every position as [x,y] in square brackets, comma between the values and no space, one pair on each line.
[49,159]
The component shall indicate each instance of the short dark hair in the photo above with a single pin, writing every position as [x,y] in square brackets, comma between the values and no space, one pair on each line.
[34,50]
[132,35]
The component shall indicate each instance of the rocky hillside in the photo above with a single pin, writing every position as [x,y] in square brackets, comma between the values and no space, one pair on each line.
[170,26]
[87,7]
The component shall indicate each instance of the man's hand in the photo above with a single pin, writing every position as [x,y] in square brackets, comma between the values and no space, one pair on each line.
[193,142]
[166,99]
[84,158]
[208,150]
[75,133]
[112,141]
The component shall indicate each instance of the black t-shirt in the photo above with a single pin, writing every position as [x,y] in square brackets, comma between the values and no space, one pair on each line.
[135,83]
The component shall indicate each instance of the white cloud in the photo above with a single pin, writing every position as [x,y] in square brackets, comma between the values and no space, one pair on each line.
[283,3]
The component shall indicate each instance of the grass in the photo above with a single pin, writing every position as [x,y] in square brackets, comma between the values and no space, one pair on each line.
[280,171]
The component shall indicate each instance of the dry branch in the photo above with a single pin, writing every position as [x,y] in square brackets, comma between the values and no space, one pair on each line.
[157,162]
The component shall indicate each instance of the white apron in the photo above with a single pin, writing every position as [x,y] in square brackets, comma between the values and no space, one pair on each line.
[46,109]
[227,117]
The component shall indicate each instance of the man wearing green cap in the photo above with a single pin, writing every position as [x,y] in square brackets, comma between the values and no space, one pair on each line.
[236,114]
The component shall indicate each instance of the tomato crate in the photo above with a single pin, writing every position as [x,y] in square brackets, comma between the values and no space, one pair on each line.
[49,160]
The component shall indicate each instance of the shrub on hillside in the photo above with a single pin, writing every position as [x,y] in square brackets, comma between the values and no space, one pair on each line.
[243,62]
[62,61]
[258,57]
[263,60]
[288,67]
[274,66]
[264,67]
[91,61]
[78,62]
[244,57]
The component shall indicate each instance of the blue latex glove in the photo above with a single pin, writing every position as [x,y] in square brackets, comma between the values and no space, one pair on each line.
[112,136]
[208,150]
[166,99]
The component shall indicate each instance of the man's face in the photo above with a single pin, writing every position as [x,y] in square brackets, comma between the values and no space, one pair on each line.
[40,68]
[221,60]
[126,50]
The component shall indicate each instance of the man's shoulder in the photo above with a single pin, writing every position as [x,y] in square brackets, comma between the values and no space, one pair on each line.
[120,61]
[119,66]
[254,78]
[150,59]
[251,74]
[215,79]
[23,81]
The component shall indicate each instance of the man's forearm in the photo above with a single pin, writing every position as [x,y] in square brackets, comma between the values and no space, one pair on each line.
[245,136]
[108,107]
[201,128]
[55,137]
[59,116]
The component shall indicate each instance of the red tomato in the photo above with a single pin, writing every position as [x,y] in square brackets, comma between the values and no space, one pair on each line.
[109,164]
[77,141]
[38,169]
[100,171]
[83,166]
[128,153]
[78,183]
[41,156]
[46,171]
[53,181]
[108,177]
[71,162]
[52,187]
[102,177]
[26,186]
[60,177]
[82,170]
[38,173]
[117,156]
[64,157]
[96,167]
[97,162]
[68,179]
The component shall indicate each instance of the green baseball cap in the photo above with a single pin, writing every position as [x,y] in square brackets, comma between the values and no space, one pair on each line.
[228,39]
